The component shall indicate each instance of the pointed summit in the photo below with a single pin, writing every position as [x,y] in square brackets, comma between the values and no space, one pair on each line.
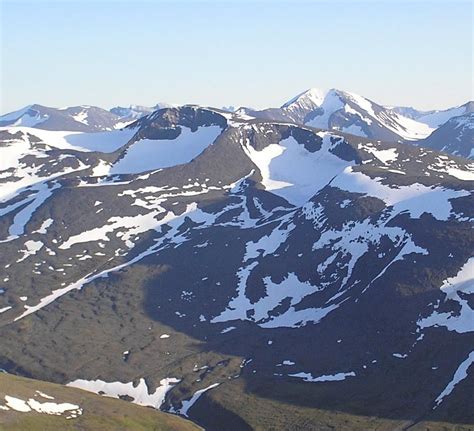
[314,96]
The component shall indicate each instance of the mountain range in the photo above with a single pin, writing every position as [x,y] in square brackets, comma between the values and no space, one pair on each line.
[333,110]
[247,270]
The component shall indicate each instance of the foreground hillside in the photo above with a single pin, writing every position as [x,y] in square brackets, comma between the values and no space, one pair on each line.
[247,274]
[27,404]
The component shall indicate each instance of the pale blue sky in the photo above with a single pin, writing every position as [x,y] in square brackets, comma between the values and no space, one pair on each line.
[253,53]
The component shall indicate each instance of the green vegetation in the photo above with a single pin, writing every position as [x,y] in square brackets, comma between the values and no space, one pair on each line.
[99,413]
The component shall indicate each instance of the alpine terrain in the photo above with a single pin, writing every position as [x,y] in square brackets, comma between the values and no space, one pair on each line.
[351,113]
[309,267]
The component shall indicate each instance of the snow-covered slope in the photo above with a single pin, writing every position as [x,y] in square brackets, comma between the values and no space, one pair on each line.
[149,154]
[456,137]
[434,119]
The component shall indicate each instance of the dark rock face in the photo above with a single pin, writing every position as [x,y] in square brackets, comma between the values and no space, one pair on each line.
[285,267]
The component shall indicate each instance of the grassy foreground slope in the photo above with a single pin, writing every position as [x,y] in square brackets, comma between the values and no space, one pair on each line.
[99,413]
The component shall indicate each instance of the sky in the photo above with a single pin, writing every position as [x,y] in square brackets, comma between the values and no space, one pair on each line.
[238,53]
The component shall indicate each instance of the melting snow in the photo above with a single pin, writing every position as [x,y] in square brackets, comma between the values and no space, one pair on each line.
[170,219]
[307,377]
[400,355]
[187,404]
[416,198]
[103,168]
[268,244]
[385,156]
[133,225]
[461,174]
[286,362]
[463,320]
[32,247]
[139,393]
[290,288]
[42,394]
[48,408]
[22,217]
[17,404]
[44,226]
[460,374]
[81,117]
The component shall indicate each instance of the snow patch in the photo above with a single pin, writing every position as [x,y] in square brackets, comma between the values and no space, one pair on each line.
[48,408]
[463,320]
[32,247]
[290,288]
[415,198]
[187,404]
[307,377]
[44,226]
[459,375]
[140,393]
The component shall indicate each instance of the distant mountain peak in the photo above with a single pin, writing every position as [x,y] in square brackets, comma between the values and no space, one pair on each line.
[82,118]
[313,95]
[349,112]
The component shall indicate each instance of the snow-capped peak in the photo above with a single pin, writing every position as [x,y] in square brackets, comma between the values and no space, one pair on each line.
[313,96]
[351,113]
